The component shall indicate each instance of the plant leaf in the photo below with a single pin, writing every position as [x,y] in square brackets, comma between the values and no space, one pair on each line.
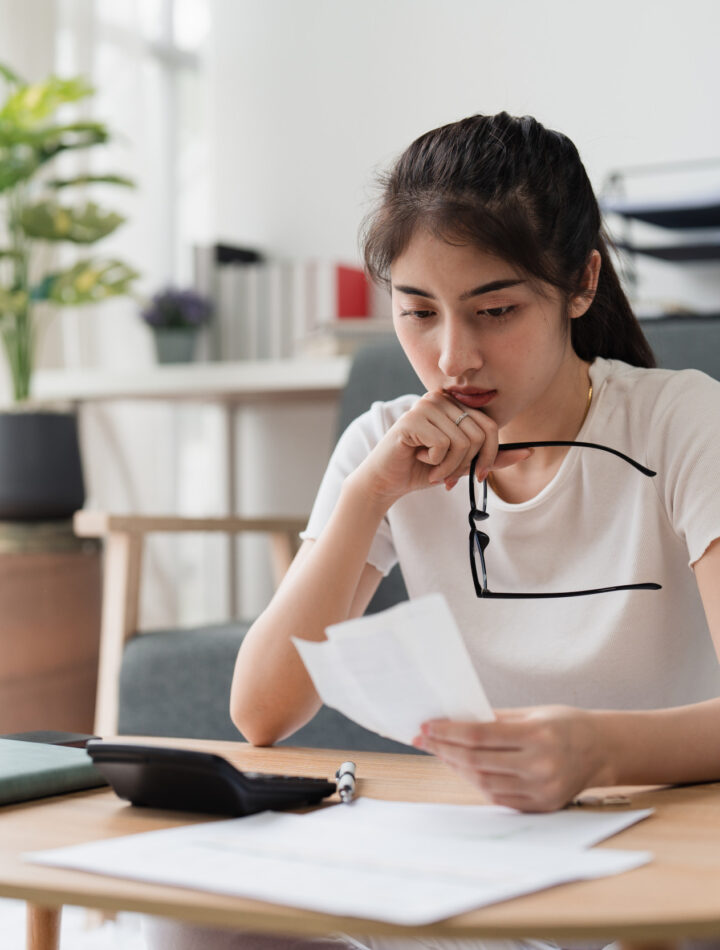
[32,103]
[17,168]
[90,281]
[42,290]
[12,302]
[49,136]
[50,221]
[58,183]
[10,76]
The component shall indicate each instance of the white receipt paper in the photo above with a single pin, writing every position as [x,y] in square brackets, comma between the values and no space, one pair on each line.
[393,670]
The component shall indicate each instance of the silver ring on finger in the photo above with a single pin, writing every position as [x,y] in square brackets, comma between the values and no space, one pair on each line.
[461,417]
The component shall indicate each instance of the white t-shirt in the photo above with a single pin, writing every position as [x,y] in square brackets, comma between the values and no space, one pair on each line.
[598,523]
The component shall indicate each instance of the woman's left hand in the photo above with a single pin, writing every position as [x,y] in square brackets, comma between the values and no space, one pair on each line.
[535,759]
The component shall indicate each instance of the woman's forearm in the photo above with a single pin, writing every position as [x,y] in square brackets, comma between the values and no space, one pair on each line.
[660,746]
[272,695]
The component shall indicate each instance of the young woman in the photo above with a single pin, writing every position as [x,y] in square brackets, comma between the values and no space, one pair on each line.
[507,305]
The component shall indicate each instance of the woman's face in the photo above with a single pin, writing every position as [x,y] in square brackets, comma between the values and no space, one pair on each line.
[473,326]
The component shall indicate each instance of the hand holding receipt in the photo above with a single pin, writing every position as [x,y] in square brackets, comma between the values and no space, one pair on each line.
[393,670]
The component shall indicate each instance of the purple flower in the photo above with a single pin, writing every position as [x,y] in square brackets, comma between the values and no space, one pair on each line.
[177,308]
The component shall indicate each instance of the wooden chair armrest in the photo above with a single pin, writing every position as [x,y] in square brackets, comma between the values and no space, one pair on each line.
[123,550]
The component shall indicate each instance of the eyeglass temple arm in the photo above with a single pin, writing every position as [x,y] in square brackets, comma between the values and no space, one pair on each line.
[484,592]
[507,446]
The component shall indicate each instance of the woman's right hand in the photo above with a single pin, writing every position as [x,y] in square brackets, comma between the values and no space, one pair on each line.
[426,446]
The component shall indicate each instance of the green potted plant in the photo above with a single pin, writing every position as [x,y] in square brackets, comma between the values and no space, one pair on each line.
[40,471]
[175,317]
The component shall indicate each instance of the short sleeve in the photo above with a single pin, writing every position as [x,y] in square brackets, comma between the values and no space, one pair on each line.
[684,446]
[353,447]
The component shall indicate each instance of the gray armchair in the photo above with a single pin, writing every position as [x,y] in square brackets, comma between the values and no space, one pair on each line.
[177,682]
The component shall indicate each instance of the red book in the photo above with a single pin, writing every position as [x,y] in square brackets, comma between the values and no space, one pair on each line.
[353,299]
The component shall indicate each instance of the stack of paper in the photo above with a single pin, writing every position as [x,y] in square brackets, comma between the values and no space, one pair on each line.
[393,670]
[392,861]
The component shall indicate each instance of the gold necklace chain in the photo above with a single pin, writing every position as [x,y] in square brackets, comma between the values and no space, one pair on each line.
[490,477]
[587,407]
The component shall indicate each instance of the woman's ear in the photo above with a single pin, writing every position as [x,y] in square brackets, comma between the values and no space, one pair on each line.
[580,303]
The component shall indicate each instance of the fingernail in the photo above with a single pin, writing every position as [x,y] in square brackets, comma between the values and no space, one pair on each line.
[482,474]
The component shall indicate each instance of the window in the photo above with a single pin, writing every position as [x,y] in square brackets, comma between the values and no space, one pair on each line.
[146,59]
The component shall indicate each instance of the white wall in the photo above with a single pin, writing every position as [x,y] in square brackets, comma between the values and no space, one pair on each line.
[27,41]
[313,95]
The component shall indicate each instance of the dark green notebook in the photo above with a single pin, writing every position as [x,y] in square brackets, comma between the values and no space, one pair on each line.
[33,770]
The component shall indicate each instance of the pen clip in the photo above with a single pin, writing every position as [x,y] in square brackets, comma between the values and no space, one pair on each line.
[345,776]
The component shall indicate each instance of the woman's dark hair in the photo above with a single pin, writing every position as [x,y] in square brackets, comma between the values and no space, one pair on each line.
[517,190]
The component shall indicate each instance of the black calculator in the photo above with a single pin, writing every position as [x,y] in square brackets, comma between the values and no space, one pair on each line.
[184,780]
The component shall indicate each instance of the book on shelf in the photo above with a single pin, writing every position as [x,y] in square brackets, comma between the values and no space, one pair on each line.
[280,317]
[336,292]
[268,308]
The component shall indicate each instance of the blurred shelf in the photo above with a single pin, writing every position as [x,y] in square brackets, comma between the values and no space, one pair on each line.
[343,337]
[698,211]
[231,383]
[691,218]
[677,253]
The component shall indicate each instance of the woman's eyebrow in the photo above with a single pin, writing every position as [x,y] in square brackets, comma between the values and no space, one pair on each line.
[475,292]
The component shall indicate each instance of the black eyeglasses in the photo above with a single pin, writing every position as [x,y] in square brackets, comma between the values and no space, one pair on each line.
[479,540]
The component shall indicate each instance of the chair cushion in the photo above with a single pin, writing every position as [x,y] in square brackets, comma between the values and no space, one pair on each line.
[177,683]
[685,343]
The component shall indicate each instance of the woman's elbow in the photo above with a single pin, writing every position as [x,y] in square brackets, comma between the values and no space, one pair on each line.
[252,724]
[263,725]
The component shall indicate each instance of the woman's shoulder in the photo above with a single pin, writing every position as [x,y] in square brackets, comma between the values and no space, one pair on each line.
[672,413]
[640,387]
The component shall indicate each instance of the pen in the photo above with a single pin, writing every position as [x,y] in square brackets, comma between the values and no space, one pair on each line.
[594,800]
[345,776]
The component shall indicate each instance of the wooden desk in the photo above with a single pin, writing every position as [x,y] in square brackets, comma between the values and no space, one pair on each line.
[676,895]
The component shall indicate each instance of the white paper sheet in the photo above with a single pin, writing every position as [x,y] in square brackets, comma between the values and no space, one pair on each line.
[568,828]
[364,869]
[393,670]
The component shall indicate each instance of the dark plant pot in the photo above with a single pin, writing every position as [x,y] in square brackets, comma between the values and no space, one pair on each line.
[41,474]
[175,344]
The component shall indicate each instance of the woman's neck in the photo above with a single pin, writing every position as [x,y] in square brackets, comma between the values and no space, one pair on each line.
[560,416]
[561,412]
